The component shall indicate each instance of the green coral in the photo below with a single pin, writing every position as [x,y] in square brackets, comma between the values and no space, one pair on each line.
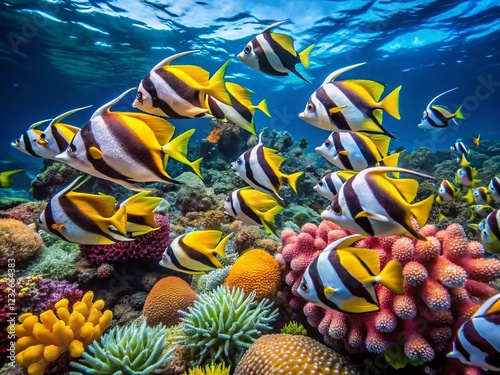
[223,323]
[130,349]
[211,369]
[294,328]
[57,262]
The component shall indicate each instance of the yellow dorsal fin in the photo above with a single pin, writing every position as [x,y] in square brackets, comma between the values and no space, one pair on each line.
[260,201]
[192,75]
[95,153]
[271,155]
[162,129]
[373,88]
[421,210]
[204,241]
[357,260]
[406,186]
[392,277]
[67,131]
[141,205]
[285,41]
[93,205]
[241,94]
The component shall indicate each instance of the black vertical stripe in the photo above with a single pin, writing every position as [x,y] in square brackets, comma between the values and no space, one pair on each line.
[355,208]
[241,109]
[231,202]
[460,349]
[194,254]
[495,184]
[249,172]
[337,144]
[266,167]
[62,143]
[370,159]
[264,64]
[48,218]
[158,102]
[475,339]
[215,109]
[246,210]
[286,58]
[338,119]
[180,88]
[441,117]
[28,146]
[492,223]
[176,262]
[318,285]
[331,185]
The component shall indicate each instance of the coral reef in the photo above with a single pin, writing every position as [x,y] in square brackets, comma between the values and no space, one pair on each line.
[445,279]
[210,280]
[169,295]
[41,340]
[133,349]
[52,179]
[27,212]
[293,328]
[257,271]
[212,369]
[148,246]
[18,242]
[57,261]
[223,323]
[292,354]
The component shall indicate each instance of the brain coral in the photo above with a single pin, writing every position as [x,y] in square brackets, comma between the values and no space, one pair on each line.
[255,270]
[18,241]
[167,296]
[445,280]
[290,355]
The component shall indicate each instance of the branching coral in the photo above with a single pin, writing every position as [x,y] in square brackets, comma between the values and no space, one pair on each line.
[445,280]
[211,369]
[131,349]
[41,340]
[18,241]
[223,323]
[293,328]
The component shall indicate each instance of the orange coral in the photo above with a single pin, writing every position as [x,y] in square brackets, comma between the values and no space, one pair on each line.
[256,270]
[214,135]
[167,296]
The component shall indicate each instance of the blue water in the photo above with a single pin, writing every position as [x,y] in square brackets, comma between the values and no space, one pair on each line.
[59,55]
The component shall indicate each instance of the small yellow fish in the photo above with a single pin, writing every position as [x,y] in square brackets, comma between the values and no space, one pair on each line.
[476,140]
[6,178]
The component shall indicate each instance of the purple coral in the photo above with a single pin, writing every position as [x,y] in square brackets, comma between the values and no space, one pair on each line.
[148,246]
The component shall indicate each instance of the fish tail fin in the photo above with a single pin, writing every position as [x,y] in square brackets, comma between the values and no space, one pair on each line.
[268,218]
[292,180]
[421,211]
[119,220]
[304,56]
[195,165]
[458,114]
[220,249]
[392,277]
[390,103]
[177,148]
[391,161]
[469,197]
[263,107]
[217,86]
[141,205]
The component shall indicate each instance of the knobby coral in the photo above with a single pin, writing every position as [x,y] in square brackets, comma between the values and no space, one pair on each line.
[445,280]
[168,296]
[18,241]
[292,354]
[41,340]
[223,323]
[257,271]
[131,349]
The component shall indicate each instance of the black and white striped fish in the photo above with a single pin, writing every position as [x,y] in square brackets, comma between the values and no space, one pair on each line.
[274,53]
[330,184]
[195,252]
[28,141]
[477,342]
[490,233]
[86,219]
[459,148]
[355,151]
[436,116]
[494,189]
[180,91]
[341,277]
[259,167]
[351,106]
[373,204]
[253,207]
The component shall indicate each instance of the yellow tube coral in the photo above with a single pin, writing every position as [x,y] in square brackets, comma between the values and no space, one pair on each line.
[41,340]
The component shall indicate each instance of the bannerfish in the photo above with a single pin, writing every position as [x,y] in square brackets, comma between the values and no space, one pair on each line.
[466,175]
[274,54]
[253,207]
[480,210]
[180,91]
[196,252]
[494,189]
[341,278]
[127,147]
[447,192]
[481,195]
[355,151]
[51,141]
[437,116]
[477,341]
[490,233]
[259,167]
[330,184]
[373,204]
[241,111]
[6,178]
[82,218]
[351,106]
[459,148]
[140,215]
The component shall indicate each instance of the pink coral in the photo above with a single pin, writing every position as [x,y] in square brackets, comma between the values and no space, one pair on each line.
[148,246]
[445,281]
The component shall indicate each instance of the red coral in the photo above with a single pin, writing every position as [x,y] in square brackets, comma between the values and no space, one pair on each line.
[445,281]
[148,246]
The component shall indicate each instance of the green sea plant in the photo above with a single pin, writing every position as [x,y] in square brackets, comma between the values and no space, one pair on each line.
[132,349]
[57,261]
[223,323]
[293,328]
[211,369]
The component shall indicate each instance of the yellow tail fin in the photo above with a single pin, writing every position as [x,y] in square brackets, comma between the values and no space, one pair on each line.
[392,277]
[119,220]
[195,165]
[263,107]
[221,247]
[390,103]
[178,148]
[458,114]
[292,180]
[217,86]
[304,56]
[422,209]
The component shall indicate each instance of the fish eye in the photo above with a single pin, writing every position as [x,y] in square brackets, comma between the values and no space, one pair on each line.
[424,115]
[228,198]
[138,96]
[16,142]
[310,107]
[169,251]
[328,143]
[320,183]
[248,48]
[42,136]
[303,286]
[71,149]
[239,161]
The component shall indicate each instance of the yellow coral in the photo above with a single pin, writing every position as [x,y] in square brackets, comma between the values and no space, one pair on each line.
[211,369]
[255,270]
[41,340]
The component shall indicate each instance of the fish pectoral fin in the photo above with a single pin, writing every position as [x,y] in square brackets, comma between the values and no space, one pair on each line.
[328,290]
[95,153]
[344,152]
[372,215]
[57,226]
[336,109]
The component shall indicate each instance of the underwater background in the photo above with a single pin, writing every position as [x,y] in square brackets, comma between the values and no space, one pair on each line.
[60,55]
